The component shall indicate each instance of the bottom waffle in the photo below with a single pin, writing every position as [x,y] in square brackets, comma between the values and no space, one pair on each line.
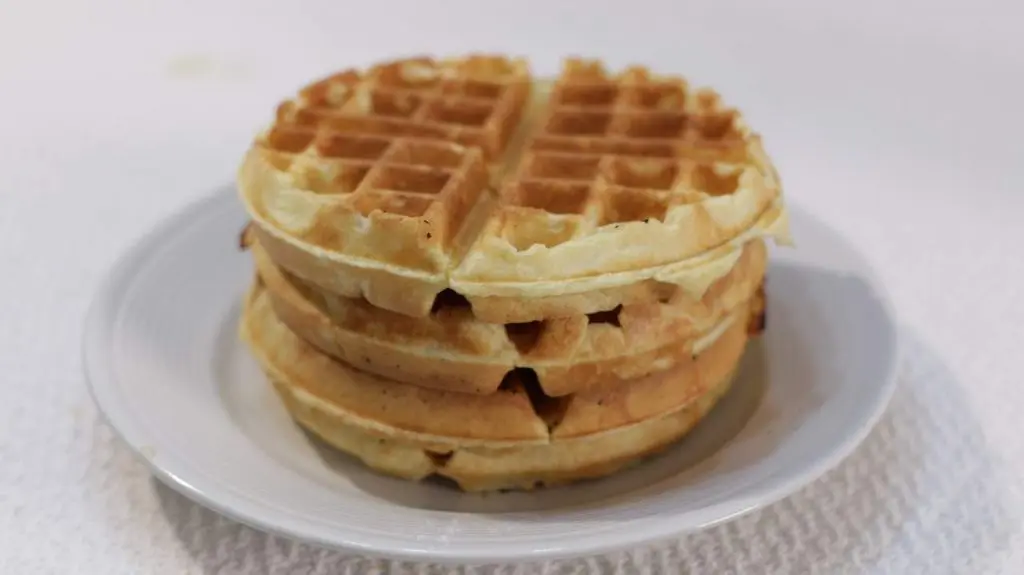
[525,467]
[514,438]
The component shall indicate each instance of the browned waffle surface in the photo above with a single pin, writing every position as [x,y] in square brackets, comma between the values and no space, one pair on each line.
[420,175]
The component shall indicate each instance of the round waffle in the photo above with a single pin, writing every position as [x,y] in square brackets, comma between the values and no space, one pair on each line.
[531,199]
[452,350]
[515,437]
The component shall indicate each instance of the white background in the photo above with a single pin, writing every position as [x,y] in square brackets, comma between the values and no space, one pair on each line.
[898,121]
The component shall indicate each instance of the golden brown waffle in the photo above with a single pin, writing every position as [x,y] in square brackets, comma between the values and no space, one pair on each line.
[532,199]
[513,438]
[522,467]
[452,350]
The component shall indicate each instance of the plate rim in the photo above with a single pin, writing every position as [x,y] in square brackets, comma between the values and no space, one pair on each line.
[100,320]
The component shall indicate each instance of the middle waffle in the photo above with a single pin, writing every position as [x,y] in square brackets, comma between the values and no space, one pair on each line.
[452,350]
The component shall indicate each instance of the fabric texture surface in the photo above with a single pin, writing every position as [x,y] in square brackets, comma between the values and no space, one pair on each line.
[119,113]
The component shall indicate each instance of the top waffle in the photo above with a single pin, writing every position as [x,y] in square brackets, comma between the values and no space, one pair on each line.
[531,199]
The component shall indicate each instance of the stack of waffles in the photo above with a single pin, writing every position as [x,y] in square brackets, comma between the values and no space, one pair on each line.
[467,272]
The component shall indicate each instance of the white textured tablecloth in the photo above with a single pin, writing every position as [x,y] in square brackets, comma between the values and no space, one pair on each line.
[113,114]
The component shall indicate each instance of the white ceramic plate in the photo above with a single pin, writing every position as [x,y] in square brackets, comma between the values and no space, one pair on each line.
[166,368]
